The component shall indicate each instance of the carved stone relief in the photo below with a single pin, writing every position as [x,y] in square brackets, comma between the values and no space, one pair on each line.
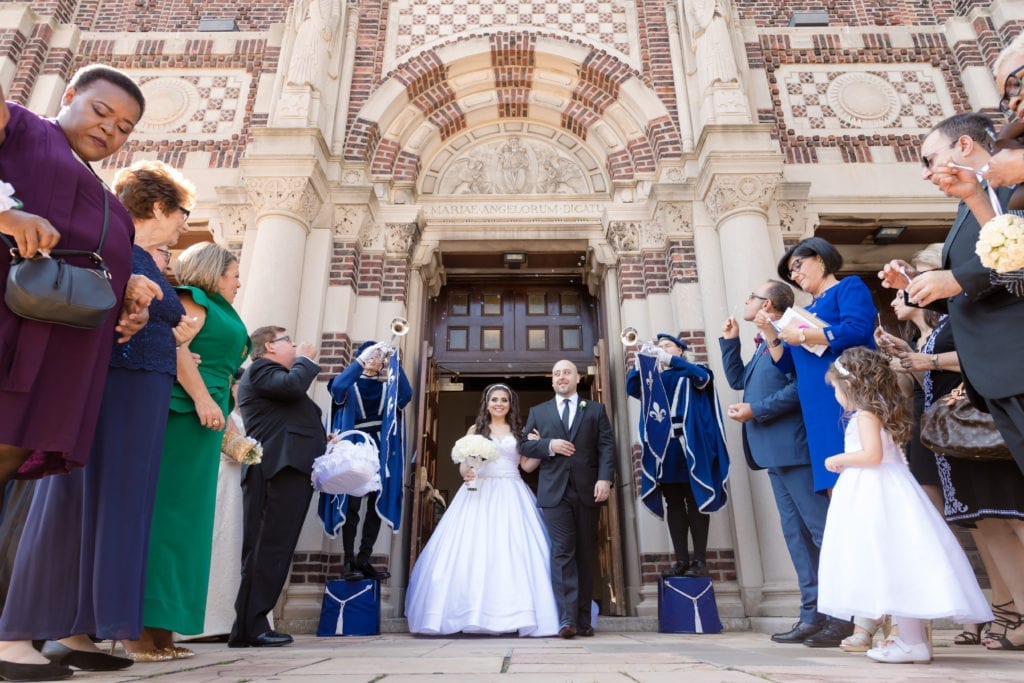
[234,219]
[371,236]
[348,219]
[399,238]
[514,166]
[295,195]
[625,235]
[729,193]
[676,217]
[652,234]
[791,217]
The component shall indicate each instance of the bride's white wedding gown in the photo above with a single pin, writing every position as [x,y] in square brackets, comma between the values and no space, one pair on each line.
[486,568]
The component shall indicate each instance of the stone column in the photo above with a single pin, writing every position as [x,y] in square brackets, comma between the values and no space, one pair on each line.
[285,208]
[737,204]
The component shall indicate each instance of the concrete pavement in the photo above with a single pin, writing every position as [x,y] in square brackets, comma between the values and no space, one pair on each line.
[636,657]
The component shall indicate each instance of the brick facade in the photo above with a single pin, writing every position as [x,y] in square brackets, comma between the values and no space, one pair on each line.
[721,566]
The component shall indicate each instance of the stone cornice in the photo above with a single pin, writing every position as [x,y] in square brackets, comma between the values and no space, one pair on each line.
[732,193]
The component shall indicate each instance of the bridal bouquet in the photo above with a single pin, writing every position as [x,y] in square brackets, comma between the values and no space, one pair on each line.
[474,450]
[1001,247]
[242,449]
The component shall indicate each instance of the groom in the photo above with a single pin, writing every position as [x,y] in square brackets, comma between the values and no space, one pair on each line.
[577,465]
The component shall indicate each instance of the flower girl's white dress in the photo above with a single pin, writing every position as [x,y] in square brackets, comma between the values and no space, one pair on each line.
[887,550]
[486,568]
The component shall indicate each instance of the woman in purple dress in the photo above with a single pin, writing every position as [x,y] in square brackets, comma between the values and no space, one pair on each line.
[52,377]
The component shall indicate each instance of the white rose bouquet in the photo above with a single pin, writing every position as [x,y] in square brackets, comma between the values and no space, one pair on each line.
[474,450]
[1001,247]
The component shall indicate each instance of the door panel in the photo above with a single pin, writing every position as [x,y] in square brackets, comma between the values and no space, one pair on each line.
[490,327]
[424,498]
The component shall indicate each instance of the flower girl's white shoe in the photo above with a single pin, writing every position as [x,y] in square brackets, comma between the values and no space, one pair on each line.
[897,652]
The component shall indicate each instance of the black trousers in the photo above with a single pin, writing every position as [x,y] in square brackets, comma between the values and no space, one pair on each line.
[1008,414]
[685,518]
[273,512]
[572,527]
[371,527]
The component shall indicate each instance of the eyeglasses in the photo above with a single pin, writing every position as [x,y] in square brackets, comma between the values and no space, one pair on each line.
[758,296]
[927,161]
[285,338]
[166,253]
[185,212]
[1011,89]
[794,267]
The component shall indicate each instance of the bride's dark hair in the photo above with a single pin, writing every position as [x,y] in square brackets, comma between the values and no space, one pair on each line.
[483,418]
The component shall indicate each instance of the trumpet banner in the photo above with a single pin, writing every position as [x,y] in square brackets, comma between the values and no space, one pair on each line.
[655,431]
[392,449]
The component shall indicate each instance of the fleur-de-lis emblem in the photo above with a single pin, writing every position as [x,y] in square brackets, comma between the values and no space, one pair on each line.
[656,412]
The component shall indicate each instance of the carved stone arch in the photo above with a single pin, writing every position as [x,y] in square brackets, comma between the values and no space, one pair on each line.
[525,77]
[514,158]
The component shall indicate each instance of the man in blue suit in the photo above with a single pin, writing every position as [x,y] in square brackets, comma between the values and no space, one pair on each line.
[774,438]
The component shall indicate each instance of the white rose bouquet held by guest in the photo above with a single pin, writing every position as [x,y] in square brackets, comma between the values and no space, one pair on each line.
[474,450]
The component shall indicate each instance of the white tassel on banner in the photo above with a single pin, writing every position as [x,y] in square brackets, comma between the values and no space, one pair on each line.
[340,626]
[698,627]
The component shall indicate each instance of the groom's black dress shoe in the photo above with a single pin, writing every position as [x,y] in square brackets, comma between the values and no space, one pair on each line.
[567,631]
[585,631]
[831,634]
[268,639]
[800,632]
[12,671]
[86,661]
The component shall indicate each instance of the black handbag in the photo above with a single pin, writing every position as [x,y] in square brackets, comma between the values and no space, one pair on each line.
[51,290]
[953,427]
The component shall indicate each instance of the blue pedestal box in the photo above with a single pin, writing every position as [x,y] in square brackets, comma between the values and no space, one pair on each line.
[687,605]
[351,608]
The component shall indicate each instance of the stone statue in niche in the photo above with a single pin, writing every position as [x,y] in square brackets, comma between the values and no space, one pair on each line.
[712,43]
[316,42]
[514,164]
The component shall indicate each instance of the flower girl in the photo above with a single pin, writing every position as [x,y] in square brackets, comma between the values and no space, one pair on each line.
[886,550]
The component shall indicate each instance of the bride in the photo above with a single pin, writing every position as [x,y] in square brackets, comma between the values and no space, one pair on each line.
[486,568]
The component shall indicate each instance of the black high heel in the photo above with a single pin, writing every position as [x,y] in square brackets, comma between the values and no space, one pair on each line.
[1013,621]
[13,671]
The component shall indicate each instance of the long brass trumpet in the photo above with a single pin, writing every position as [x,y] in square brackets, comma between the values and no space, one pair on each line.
[399,328]
[630,337]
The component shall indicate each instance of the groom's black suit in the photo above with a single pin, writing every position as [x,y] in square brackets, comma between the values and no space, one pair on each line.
[565,494]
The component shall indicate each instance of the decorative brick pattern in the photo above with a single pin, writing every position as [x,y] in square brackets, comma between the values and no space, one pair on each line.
[656,279]
[344,265]
[165,15]
[371,275]
[682,261]
[930,54]
[335,354]
[631,277]
[777,13]
[721,565]
[605,22]
[395,282]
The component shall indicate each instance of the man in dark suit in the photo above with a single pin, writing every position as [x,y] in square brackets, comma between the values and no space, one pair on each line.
[577,453]
[986,318]
[774,438]
[279,414]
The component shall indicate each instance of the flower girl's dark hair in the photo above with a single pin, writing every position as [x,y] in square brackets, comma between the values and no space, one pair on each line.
[870,384]
[483,418]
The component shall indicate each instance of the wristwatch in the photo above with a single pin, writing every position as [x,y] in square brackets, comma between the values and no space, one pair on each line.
[935,361]
[775,342]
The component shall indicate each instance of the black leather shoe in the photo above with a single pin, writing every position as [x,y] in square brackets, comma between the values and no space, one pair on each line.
[696,569]
[567,631]
[268,639]
[350,573]
[678,569]
[800,632]
[369,572]
[12,671]
[86,661]
[831,634]
[585,631]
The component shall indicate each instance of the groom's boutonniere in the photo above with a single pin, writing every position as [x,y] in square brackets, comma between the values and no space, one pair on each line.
[583,404]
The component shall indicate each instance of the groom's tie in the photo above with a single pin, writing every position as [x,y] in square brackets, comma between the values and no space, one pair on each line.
[565,414]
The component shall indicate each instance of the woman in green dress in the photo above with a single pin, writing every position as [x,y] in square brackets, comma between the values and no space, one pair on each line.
[178,565]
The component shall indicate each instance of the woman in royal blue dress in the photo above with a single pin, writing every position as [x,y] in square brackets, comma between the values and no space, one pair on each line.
[846,308]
